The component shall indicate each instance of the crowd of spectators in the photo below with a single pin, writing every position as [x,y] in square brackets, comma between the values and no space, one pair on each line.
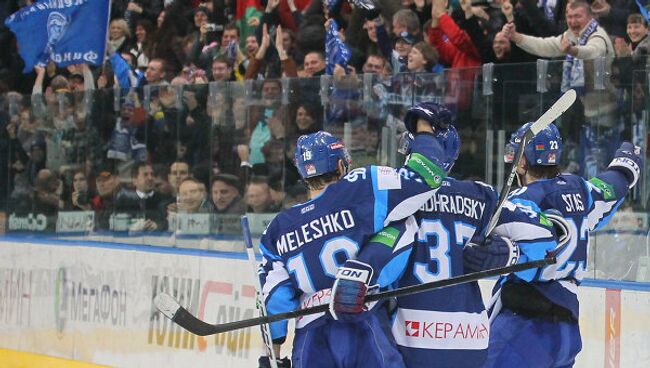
[199,102]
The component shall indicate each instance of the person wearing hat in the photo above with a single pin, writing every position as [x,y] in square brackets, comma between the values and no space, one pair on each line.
[107,184]
[401,48]
[80,78]
[402,45]
[225,194]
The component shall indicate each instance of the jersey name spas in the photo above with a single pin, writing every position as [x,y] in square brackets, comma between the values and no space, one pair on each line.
[587,206]
[455,204]
[315,229]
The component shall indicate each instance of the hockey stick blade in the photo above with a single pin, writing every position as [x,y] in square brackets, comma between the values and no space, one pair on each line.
[194,325]
[559,107]
[171,309]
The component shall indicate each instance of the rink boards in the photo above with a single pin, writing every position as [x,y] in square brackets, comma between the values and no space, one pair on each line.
[92,303]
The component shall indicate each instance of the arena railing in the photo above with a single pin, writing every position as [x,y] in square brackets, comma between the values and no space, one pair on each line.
[236,140]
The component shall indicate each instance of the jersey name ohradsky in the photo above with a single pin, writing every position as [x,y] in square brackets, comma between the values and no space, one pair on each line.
[315,229]
[455,204]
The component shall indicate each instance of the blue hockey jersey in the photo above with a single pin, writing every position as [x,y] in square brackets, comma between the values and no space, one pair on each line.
[304,246]
[448,325]
[587,206]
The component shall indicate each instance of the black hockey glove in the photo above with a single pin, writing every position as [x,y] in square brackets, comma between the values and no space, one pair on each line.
[629,161]
[264,362]
[497,251]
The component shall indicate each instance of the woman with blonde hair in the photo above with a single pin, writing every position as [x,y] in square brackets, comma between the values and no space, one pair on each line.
[119,36]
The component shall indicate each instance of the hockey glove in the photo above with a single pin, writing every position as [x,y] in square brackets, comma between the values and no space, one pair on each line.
[561,227]
[350,289]
[434,113]
[370,9]
[628,160]
[264,362]
[497,251]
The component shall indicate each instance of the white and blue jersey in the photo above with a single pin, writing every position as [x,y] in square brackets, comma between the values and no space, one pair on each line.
[447,326]
[587,206]
[304,246]
[535,319]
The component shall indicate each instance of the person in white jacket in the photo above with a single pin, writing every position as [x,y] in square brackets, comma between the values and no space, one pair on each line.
[584,40]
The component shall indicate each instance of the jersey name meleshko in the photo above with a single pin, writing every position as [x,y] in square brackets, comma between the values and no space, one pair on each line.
[304,246]
[315,229]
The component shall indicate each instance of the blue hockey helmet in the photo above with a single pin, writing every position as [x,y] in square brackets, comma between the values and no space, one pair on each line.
[448,139]
[319,153]
[436,114]
[544,149]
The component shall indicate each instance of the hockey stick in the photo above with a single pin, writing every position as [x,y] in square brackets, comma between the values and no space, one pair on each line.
[259,297]
[559,107]
[174,311]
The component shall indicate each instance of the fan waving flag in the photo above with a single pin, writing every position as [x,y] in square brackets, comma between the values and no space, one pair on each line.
[336,51]
[643,8]
[64,31]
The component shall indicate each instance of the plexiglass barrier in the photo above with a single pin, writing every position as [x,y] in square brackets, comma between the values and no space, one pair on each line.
[177,165]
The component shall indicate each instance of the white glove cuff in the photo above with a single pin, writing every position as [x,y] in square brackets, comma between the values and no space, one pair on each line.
[362,273]
[627,164]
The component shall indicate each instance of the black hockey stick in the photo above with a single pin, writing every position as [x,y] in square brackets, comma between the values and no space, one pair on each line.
[181,316]
[559,107]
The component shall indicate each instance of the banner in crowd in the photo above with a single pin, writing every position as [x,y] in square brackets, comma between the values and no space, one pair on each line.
[65,31]
[643,8]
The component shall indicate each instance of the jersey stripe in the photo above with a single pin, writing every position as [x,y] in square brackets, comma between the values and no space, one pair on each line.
[381,201]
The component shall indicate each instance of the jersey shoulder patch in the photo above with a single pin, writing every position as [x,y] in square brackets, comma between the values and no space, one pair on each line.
[388,178]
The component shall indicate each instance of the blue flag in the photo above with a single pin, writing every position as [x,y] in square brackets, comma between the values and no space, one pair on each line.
[643,8]
[336,51]
[64,31]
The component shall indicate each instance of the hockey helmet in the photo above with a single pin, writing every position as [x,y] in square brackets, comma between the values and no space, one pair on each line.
[448,139]
[436,114]
[319,153]
[544,149]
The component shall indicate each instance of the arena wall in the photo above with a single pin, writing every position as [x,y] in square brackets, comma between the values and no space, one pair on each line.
[91,303]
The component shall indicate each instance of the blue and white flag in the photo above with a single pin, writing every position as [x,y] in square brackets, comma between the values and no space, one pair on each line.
[336,51]
[64,31]
[643,8]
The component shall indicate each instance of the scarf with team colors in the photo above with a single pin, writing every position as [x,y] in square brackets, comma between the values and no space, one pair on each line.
[573,73]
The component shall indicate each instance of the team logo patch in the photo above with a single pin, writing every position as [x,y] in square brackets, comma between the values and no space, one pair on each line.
[388,236]
[412,328]
[551,158]
[310,169]
[307,208]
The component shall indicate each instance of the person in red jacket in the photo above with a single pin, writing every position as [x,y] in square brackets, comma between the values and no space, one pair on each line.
[456,50]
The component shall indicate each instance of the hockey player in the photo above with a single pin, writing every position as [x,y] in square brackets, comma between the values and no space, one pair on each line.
[447,326]
[304,246]
[535,318]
